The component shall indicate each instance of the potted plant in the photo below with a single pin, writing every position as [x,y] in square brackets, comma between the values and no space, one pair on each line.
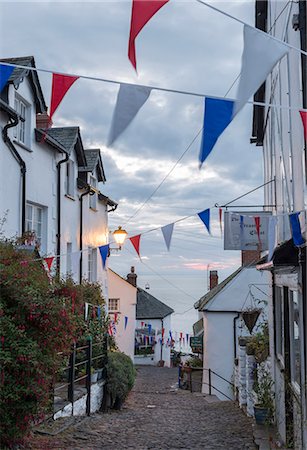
[120,378]
[259,344]
[264,406]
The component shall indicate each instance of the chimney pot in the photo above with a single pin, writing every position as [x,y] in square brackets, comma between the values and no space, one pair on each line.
[214,279]
[43,121]
[250,257]
[131,277]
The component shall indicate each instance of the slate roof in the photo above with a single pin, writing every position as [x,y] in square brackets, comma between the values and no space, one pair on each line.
[68,138]
[149,307]
[93,161]
[19,73]
[285,255]
[203,301]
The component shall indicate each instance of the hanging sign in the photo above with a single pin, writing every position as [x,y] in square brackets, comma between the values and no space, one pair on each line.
[242,232]
[196,344]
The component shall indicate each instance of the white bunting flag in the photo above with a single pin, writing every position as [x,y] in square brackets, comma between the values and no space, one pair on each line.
[130,100]
[260,55]
[167,232]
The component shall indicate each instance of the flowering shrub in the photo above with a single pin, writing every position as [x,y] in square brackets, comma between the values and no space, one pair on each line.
[38,319]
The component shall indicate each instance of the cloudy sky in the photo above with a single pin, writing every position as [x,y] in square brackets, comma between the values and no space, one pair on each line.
[186,46]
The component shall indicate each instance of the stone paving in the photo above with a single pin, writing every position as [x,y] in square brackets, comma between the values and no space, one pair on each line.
[157,416]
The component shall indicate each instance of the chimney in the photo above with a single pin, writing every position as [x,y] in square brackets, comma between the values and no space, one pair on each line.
[43,121]
[214,279]
[131,277]
[250,257]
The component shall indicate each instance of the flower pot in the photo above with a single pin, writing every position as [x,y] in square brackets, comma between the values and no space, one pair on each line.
[261,415]
[94,377]
[250,318]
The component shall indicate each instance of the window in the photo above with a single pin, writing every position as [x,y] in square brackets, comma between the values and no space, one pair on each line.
[22,130]
[70,178]
[35,221]
[279,322]
[113,304]
[68,258]
[295,357]
[93,197]
[92,264]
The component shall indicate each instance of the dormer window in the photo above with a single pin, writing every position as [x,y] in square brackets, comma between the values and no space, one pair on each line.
[22,130]
[70,179]
[93,197]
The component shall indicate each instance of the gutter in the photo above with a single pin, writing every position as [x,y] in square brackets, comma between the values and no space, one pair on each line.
[58,236]
[23,169]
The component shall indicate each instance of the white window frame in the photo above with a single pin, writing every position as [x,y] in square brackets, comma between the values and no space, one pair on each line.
[92,265]
[279,323]
[93,197]
[22,130]
[113,305]
[295,347]
[36,221]
[70,179]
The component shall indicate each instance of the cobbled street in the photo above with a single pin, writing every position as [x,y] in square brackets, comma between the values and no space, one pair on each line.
[158,416]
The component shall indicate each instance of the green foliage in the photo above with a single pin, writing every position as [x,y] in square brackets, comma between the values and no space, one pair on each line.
[193,361]
[263,387]
[120,376]
[259,344]
[39,319]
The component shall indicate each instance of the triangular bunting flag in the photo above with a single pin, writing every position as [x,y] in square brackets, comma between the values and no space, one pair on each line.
[135,241]
[99,312]
[130,100]
[5,73]
[60,86]
[260,54]
[149,328]
[49,261]
[218,115]
[126,321]
[187,336]
[167,232]
[296,229]
[205,218]
[86,311]
[257,223]
[220,219]
[142,12]
[272,236]
[104,252]
[304,120]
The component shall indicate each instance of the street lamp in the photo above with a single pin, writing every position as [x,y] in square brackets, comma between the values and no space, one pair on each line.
[120,236]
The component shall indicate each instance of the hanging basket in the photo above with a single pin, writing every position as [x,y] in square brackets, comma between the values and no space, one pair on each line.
[250,318]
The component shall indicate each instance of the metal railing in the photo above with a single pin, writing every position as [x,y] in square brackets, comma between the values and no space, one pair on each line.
[189,382]
[78,373]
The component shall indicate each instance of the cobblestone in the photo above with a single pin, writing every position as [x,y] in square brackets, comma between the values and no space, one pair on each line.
[157,416]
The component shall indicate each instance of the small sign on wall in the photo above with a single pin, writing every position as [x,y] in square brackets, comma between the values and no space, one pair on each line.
[240,230]
[196,344]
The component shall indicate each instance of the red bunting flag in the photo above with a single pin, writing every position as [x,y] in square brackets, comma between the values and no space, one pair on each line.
[257,223]
[60,86]
[163,332]
[49,261]
[115,317]
[304,120]
[180,336]
[135,241]
[142,324]
[142,12]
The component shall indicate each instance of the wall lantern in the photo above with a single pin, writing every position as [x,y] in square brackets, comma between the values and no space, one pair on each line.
[120,236]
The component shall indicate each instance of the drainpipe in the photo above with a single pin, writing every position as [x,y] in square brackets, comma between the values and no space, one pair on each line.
[88,190]
[58,236]
[22,165]
[235,334]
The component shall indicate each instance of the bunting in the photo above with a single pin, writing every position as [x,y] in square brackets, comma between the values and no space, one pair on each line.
[296,229]
[130,100]
[142,12]
[49,261]
[99,312]
[218,115]
[205,218]
[303,115]
[167,232]
[104,252]
[260,54]
[60,86]
[126,322]
[149,328]
[86,306]
[5,73]
[257,223]
[135,241]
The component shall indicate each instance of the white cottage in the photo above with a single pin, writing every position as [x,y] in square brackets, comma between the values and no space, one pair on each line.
[221,310]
